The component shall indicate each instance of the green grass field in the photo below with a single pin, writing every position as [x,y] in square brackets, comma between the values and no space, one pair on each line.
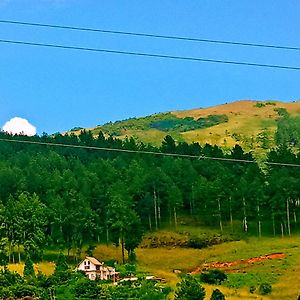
[283,274]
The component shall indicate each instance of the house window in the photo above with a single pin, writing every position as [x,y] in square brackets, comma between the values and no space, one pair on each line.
[86,267]
[97,268]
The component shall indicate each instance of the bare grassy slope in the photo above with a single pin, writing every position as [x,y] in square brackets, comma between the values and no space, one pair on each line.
[246,120]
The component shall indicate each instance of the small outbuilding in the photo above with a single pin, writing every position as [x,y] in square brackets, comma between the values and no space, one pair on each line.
[93,269]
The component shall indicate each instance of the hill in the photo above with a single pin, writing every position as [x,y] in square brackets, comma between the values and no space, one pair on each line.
[251,124]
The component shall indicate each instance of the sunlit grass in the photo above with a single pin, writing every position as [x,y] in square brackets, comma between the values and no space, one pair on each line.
[108,252]
[283,274]
[46,268]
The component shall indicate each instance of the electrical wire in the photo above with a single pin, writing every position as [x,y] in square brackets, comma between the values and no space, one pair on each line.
[150,35]
[185,58]
[148,152]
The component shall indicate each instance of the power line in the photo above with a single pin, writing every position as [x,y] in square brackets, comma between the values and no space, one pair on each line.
[150,35]
[147,152]
[153,55]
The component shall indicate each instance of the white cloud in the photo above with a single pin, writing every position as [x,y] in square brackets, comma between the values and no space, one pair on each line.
[19,126]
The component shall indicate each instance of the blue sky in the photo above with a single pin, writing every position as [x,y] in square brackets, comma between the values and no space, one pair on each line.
[57,89]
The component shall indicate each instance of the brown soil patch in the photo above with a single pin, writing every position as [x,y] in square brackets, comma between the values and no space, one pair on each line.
[224,265]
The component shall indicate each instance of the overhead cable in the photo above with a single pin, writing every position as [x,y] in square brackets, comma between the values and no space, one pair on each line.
[147,152]
[153,55]
[151,35]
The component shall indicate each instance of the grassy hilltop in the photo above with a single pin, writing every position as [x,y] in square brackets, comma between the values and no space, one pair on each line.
[244,122]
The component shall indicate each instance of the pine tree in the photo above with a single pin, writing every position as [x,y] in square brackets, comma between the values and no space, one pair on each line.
[217,295]
[61,263]
[28,268]
[189,289]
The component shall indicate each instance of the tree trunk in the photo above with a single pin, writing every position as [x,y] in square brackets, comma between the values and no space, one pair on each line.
[123,249]
[288,216]
[273,222]
[245,224]
[282,231]
[175,218]
[158,211]
[258,222]
[155,209]
[9,252]
[107,236]
[150,223]
[192,201]
[75,254]
[220,215]
[13,254]
[19,253]
[230,214]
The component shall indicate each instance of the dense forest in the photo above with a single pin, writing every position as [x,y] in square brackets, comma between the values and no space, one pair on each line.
[69,197]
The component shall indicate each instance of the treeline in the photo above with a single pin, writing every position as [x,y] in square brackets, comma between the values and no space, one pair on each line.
[69,197]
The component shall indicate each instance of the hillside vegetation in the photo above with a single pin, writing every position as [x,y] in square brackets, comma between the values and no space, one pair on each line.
[93,190]
[79,196]
[251,124]
[282,274]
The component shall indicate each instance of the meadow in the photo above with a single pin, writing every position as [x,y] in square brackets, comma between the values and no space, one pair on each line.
[283,274]
[248,122]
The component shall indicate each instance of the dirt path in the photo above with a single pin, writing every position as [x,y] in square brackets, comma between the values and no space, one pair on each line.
[224,265]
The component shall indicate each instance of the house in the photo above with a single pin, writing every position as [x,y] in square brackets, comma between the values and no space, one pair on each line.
[93,269]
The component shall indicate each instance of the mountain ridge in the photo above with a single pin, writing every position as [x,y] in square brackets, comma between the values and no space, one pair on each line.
[244,122]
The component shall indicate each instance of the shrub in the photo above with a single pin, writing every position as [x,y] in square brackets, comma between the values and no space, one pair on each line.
[127,270]
[214,276]
[76,129]
[189,289]
[43,281]
[86,289]
[217,295]
[143,290]
[61,277]
[265,288]
[28,268]
[271,103]
[197,243]
[282,112]
[90,250]
[205,240]
[260,104]
[188,123]
[61,263]
[8,278]
[5,292]
[23,290]
[165,239]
